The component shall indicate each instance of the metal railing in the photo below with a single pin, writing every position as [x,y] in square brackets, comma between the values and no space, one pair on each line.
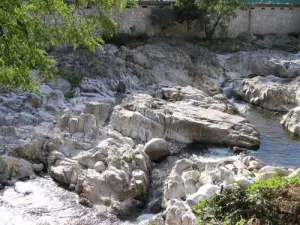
[256,2]
[274,2]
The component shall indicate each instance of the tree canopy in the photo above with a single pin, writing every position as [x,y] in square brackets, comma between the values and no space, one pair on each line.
[210,13]
[28,27]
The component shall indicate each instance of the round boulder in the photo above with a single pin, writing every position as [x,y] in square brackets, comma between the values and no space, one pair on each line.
[204,192]
[156,149]
[99,166]
[37,167]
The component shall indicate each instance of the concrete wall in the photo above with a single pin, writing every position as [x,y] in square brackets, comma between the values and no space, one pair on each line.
[260,20]
[134,19]
[265,20]
[137,20]
[278,20]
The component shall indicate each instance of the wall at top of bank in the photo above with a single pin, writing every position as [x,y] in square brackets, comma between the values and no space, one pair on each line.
[258,20]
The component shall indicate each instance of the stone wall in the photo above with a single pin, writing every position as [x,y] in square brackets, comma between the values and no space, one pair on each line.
[260,20]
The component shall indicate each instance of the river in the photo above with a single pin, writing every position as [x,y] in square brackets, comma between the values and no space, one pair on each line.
[278,146]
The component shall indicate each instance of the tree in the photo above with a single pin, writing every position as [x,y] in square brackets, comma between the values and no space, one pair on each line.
[28,27]
[209,12]
[164,17]
[189,12]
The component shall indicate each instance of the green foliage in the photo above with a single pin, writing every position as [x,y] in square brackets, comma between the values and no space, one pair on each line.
[242,222]
[122,39]
[265,187]
[240,206]
[27,27]
[189,12]
[152,222]
[205,43]
[130,154]
[164,17]
[72,78]
[210,13]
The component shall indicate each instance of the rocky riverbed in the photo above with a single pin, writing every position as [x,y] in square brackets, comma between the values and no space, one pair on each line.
[104,130]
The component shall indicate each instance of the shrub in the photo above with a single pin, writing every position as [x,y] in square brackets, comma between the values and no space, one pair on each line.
[240,206]
[122,38]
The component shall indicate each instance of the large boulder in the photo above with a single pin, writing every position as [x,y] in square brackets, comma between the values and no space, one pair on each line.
[55,101]
[270,92]
[63,170]
[275,170]
[100,110]
[85,122]
[60,84]
[179,213]
[268,172]
[197,178]
[99,166]
[204,192]
[29,149]
[121,181]
[125,69]
[189,65]
[144,117]
[112,172]
[264,63]
[270,41]
[14,168]
[156,149]
[291,121]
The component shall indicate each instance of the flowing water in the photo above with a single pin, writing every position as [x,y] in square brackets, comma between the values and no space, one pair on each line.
[162,169]
[278,146]
[42,202]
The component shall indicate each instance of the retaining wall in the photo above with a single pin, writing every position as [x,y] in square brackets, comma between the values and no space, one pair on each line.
[259,20]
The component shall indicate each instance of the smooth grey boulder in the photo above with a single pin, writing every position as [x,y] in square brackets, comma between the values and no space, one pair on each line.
[204,192]
[264,63]
[189,119]
[270,92]
[56,98]
[156,149]
[38,167]
[63,170]
[179,213]
[291,121]
[14,168]
[99,166]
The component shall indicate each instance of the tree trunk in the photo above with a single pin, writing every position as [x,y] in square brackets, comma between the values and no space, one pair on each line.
[210,33]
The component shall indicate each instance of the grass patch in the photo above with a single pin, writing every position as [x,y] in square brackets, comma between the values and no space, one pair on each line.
[266,202]
[205,43]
